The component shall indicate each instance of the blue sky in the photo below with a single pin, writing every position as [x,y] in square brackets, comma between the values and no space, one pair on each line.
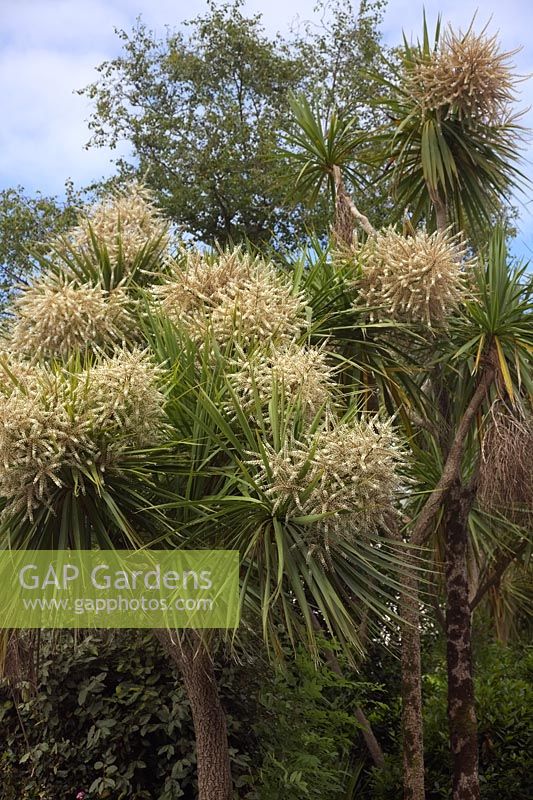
[49,48]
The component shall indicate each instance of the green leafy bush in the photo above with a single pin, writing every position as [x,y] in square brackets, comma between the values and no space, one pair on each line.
[306,733]
[110,718]
[504,698]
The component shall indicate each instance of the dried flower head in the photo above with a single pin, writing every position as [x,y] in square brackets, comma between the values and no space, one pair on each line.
[412,279]
[468,74]
[56,317]
[301,373]
[125,222]
[505,479]
[236,295]
[55,425]
[349,472]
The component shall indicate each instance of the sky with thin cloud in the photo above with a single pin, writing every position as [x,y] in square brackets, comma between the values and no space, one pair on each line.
[50,48]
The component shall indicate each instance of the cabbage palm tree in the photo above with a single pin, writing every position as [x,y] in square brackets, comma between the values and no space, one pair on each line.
[207,423]
[450,143]
[450,149]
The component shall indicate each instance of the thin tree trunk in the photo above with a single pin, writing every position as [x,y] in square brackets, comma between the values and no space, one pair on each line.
[441,210]
[373,746]
[347,215]
[412,724]
[194,661]
[412,721]
[461,710]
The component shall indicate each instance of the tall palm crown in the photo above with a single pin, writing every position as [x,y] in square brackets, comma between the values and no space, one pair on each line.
[450,140]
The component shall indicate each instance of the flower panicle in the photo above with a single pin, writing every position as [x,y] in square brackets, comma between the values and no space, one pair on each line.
[467,75]
[302,374]
[348,473]
[55,422]
[415,279]
[235,296]
[55,318]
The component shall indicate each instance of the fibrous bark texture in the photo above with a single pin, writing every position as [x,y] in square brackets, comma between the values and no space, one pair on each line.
[195,663]
[461,709]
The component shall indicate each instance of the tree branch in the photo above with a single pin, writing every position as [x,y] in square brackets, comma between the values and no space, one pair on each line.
[345,201]
[452,466]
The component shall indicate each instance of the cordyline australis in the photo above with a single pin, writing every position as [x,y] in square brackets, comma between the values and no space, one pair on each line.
[123,224]
[450,145]
[235,296]
[302,374]
[56,423]
[78,406]
[466,74]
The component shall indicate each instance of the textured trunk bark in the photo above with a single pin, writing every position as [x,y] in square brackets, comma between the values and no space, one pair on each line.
[210,726]
[441,211]
[412,725]
[442,216]
[347,215]
[461,710]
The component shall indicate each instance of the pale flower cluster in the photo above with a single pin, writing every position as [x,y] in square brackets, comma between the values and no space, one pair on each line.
[348,472]
[124,222]
[54,425]
[236,296]
[123,396]
[468,74]
[55,317]
[300,373]
[416,279]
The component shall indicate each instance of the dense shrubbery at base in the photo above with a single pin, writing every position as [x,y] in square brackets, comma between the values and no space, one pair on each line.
[504,693]
[110,718]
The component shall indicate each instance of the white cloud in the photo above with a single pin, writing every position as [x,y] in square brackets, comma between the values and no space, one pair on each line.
[61,24]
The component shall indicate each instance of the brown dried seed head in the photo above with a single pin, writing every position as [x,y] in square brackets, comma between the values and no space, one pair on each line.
[506,469]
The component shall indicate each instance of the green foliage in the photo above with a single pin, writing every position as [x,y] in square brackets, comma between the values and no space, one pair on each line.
[109,718]
[501,309]
[504,697]
[314,149]
[311,714]
[26,221]
[203,110]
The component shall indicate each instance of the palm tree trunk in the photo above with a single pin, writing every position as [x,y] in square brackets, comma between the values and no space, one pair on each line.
[412,724]
[195,663]
[461,709]
[347,215]
[440,207]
